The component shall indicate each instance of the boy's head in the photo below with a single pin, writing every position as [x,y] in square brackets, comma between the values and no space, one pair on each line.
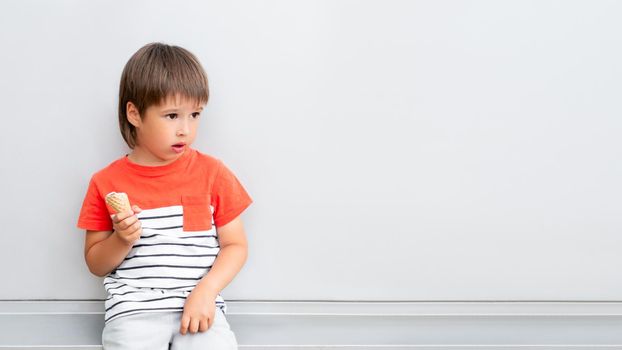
[157,76]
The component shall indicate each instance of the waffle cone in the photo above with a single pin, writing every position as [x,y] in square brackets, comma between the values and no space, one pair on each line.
[118,201]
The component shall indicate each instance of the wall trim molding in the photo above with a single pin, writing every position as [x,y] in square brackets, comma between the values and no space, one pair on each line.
[357,325]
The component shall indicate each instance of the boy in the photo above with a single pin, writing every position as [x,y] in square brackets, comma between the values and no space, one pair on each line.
[166,261]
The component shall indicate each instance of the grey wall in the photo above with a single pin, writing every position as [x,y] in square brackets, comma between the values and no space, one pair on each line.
[395,150]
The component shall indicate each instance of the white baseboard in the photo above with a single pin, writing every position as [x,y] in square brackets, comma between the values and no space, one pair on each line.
[48,324]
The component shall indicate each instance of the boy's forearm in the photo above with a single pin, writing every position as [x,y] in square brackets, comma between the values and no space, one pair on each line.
[106,255]
[228,263]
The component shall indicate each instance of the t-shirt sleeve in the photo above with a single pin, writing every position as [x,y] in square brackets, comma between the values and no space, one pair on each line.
[94,214]
[229,197]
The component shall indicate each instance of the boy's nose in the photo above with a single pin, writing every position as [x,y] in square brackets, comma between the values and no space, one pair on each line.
[182,128]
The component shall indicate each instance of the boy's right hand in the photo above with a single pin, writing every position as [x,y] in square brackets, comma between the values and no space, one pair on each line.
[127,225]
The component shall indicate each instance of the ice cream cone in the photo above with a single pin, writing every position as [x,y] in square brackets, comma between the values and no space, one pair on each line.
[118,201]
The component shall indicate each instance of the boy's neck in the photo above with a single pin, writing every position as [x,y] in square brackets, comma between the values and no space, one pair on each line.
[145,158]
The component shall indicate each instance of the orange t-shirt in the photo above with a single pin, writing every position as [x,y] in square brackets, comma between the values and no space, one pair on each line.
[183,203]
[195,181]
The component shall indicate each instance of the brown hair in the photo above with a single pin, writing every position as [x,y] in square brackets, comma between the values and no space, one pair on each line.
[155,72]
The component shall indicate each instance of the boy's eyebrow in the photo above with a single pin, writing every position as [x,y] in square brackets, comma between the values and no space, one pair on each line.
[200,108]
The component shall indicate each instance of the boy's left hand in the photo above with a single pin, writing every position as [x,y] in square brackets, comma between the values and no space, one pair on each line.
[198,312]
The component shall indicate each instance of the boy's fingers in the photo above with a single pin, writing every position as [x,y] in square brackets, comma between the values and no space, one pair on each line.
[130,222]
[118,216]
[194,325]
[124,215]
[185,322]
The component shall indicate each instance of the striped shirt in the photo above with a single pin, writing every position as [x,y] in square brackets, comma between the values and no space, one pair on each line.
[182,205]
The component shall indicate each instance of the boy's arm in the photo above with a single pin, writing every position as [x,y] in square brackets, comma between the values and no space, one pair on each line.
[104,251]
[231,257]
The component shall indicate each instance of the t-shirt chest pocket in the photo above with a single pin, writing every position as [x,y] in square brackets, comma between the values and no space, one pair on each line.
[197,212]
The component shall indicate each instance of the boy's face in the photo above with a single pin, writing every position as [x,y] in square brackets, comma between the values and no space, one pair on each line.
[173,122]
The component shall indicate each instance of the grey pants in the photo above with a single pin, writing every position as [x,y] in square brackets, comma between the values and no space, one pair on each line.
[158,330]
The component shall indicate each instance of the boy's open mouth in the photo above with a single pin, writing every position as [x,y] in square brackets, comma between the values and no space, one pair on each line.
[179,147]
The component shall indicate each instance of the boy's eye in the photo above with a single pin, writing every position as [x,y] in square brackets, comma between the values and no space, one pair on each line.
[174,115]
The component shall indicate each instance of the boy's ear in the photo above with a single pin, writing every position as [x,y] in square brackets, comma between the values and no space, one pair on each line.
[132,114]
